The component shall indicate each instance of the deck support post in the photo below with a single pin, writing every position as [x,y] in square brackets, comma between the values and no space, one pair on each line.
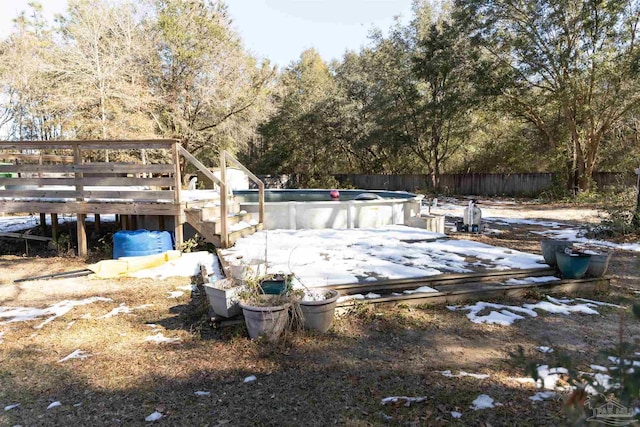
[96,221]
[54,226]
[179,234]
[43,223]
[82,235]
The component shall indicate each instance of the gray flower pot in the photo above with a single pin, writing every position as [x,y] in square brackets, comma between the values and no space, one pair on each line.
[599,264]
[550,247]
[223,301]
[319,315]
[267,321]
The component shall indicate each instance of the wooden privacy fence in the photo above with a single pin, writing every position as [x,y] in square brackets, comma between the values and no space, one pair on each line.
[481,184]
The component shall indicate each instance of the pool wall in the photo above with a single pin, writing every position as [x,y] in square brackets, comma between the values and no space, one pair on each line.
[335,214]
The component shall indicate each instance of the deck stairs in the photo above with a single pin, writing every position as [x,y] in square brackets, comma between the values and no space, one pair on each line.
[222,222]
[206,221]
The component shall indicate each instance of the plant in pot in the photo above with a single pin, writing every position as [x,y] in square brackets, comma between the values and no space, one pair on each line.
[268,314]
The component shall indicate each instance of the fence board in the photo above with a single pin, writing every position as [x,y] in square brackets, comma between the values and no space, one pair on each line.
[480,184]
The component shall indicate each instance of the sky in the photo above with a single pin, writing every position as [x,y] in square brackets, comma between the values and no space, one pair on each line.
[281,29]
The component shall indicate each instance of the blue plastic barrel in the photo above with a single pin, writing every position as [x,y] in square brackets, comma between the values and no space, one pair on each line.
[141,242]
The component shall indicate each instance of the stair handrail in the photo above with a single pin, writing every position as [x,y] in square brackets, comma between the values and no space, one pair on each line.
[221,182]
[224,156]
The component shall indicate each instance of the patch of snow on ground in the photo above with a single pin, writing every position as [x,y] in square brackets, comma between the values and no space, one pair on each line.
[76,354]
[10,407]
[159,338]
[448,374]
[577,235]
[421,289]
[407,400]
[506,314]
[202,393]
[351,297]
[456,414]
[529,280]
[250,378]
[155,416]
[24,314]
[20,223]
[175,294]
[332,256]
[548,377]
[543,395]
[544,349]
[124,309]
[484,401]
[186,265]
[54,405]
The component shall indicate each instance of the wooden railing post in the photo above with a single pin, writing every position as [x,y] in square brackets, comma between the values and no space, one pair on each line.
[253,178]
[223,201]
[81,230]
[177,184]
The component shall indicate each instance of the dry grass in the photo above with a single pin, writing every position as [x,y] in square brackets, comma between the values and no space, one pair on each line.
[309,379]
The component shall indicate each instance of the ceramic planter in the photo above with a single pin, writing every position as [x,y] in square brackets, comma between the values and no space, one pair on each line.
[598,265]
[572,266]
[223,298]
[318,315]
[551,247]
[267,321]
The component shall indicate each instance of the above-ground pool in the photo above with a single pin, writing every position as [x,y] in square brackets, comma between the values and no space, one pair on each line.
[314,209]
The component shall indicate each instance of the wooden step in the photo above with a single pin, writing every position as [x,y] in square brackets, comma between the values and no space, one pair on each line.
[463,292]
[400,285]
[216,227]
[248,231]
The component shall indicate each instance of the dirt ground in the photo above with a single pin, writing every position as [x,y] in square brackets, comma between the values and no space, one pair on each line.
[337,378]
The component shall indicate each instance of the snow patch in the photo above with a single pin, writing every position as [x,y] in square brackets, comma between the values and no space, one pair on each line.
[24,314]
[484,401]
[175,294]
[250,378]
[159,338]
[155,416]
[76,354]
[448,374]
[54,405]
[407,400]
[543,395]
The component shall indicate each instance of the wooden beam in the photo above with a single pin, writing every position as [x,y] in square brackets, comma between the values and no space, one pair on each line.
[96,168]
[101,144]
[90,181]
[91,207]
[26,236]
[96,221]
[82,235]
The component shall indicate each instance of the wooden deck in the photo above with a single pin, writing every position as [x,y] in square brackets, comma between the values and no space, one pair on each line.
[72,177]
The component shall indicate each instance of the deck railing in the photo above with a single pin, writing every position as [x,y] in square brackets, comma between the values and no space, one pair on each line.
[73,176]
